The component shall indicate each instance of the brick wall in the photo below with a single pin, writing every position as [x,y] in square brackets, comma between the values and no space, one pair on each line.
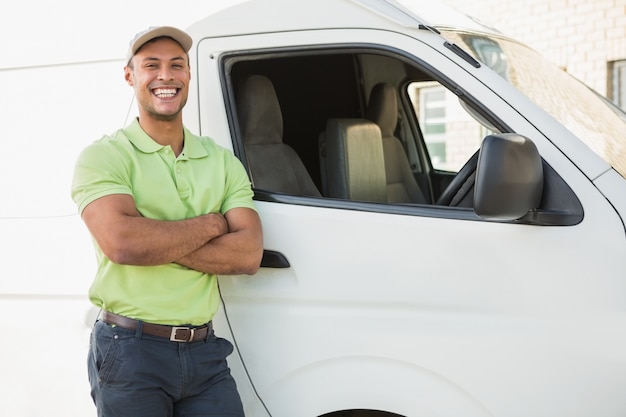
[581,36]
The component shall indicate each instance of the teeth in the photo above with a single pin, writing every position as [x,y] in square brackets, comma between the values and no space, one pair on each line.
[165,92]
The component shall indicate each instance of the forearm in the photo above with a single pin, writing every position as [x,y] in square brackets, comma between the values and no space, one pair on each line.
[236,252]
[230,254]
[145,242]
[128,238]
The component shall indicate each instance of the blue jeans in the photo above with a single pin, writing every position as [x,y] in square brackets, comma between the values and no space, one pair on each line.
[139,375]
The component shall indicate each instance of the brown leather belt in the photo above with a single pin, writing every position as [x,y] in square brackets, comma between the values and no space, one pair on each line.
[179,334]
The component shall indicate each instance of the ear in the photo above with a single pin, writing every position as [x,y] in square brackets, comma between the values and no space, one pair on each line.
[128,75]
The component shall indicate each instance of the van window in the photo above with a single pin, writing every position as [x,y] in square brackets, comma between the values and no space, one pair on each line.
[359,128]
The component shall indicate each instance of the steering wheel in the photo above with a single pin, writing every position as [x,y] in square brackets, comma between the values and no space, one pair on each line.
[461,187]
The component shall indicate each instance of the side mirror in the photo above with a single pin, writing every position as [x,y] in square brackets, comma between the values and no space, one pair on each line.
[509,177]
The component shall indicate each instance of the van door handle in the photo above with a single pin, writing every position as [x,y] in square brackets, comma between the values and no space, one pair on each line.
[273,259]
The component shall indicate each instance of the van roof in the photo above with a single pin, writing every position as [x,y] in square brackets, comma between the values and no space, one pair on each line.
[268,16]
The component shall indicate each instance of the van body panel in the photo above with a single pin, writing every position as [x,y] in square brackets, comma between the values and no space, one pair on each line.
[613,187]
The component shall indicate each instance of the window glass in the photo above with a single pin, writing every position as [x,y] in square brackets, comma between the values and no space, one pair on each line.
[451,134]
[572,103]
[361,130]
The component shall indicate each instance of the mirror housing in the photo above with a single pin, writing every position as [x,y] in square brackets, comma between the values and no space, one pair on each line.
[509,177]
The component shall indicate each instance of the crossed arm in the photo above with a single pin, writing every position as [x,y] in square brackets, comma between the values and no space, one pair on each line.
[211,243]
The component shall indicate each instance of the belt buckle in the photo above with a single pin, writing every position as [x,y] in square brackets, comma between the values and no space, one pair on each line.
[173,337]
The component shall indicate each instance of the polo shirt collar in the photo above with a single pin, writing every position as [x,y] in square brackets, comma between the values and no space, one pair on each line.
[193,148]
[140,139]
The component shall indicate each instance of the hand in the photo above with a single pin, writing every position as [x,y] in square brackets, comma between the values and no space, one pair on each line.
[217,224]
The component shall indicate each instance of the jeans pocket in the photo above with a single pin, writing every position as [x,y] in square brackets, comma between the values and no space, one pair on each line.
[106,345]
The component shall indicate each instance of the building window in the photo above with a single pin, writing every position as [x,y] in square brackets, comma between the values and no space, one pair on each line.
[618,81]
[432,101]
[450,133]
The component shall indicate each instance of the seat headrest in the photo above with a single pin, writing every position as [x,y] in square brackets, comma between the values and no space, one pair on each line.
[382,108]
[355,162]
[258,110]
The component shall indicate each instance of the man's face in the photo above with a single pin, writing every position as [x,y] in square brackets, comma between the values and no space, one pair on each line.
[159,72]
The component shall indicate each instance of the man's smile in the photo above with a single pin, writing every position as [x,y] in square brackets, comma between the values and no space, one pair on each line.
[163,92]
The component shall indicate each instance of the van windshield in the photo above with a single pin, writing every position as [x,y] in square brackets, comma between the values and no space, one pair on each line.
[594,119]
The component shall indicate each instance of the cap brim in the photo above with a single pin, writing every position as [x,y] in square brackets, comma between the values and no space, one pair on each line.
[168,31]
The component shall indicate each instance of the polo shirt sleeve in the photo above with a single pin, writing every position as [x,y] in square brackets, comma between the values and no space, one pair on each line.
[100,170]
[238,191]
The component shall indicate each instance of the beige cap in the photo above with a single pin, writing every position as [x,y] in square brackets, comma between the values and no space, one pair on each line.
[156,32]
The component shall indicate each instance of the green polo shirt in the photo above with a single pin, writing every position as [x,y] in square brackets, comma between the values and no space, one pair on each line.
[204,178]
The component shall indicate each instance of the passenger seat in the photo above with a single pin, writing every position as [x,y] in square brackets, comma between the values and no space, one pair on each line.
[382,109]
[274,165]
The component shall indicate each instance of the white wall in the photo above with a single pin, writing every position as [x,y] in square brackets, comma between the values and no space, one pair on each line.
[62,68]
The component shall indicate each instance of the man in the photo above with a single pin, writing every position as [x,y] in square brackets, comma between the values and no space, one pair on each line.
[168,211]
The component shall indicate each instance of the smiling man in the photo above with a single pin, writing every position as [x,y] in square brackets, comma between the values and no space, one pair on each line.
[168,211]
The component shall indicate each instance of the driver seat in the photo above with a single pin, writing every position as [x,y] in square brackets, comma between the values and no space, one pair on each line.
[382,109]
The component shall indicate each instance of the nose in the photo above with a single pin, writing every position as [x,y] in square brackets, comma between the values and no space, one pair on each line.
[166,74]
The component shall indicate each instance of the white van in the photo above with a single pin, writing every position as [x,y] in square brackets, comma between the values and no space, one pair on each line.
[443,217]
